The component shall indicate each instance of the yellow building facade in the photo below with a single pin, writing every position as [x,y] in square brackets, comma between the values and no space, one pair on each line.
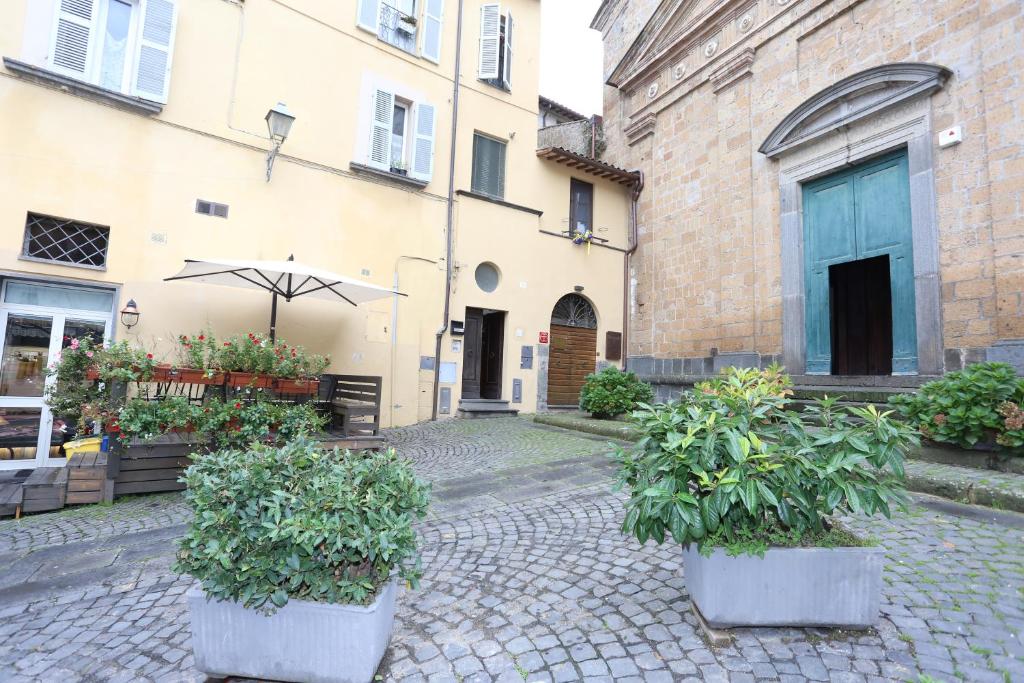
[133,138]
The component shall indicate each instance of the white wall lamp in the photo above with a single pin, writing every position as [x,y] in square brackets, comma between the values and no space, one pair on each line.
[279,123]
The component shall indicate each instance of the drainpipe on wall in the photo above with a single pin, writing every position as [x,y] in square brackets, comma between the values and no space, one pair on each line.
[630,248]
[451,218]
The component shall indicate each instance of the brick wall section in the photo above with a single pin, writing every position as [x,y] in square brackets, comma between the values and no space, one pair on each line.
[708,267]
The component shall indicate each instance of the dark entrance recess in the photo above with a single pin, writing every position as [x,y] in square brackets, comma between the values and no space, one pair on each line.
[860,301]
[482,353]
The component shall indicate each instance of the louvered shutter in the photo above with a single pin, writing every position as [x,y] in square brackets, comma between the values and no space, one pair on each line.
[368,16]
[490,32]
[380,131]
[423,145]
[488,166]
[69,52]
[152,77]
[432,30]
[506,77]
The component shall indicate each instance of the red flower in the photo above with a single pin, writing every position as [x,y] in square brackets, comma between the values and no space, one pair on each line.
[940,419]
[238,405]
[202,337]
[149,356]
[227,343]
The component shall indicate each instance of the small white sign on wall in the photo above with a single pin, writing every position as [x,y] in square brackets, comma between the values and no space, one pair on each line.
[456,346]
[447,373]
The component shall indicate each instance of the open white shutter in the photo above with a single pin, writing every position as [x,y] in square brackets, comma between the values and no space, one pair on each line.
[152,77]
[490,32]
[423,145]
[506,77]
[432,30]
[368,16]
[380,131]
[69,52]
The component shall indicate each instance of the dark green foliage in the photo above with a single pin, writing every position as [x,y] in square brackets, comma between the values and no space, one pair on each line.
[729,462]
[979,404]
[612,392]
[296,522]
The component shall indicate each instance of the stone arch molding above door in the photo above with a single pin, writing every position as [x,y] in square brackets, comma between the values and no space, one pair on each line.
[854,98]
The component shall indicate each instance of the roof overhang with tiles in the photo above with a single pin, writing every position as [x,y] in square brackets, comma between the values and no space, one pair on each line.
[589,165]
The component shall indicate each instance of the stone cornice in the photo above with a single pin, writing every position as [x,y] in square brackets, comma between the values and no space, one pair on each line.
[733,70]
[639,130]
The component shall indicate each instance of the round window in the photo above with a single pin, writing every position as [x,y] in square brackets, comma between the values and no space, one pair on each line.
[487,277]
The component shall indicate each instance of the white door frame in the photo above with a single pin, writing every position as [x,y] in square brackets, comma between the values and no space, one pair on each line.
[58,316]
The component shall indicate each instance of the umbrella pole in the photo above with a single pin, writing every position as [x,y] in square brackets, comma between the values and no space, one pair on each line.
[273,318]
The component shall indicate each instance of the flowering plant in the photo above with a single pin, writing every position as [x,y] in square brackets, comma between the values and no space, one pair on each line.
[197,351]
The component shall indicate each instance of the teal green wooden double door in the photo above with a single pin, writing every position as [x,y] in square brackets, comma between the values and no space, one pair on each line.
[857,214]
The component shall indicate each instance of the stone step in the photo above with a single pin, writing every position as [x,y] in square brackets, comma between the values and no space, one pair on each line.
[485,407]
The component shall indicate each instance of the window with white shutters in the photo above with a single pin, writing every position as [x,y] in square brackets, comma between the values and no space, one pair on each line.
[432,30]
[423,149]
[488,166]
[495,66]
[119,45]
[381,129]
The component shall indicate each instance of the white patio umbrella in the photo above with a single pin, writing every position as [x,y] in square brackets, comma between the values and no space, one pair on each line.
[288,279]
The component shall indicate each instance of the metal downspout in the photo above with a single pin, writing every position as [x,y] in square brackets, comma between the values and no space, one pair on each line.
[451,218]
[630,248]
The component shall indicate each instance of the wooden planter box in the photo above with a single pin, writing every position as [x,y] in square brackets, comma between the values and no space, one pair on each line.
[249,380]
[296,386]
[196,376]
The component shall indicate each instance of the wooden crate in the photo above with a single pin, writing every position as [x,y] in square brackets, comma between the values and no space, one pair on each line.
[151,466]
[87,477]
[10,498]
[45,489]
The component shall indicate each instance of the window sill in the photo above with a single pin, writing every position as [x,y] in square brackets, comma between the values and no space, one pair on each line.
[499,202]
[42,76]
[497,85]
[363,169]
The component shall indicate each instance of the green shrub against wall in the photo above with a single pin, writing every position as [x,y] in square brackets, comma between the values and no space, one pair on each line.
[980,404]
[612,392]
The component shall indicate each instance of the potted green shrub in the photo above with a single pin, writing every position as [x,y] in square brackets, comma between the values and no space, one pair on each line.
[612,392]
[297,553]
[751,492]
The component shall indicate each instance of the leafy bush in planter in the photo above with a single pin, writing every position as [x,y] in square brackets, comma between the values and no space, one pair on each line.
[979,404]
[273,524]
[728,465]
[612,392]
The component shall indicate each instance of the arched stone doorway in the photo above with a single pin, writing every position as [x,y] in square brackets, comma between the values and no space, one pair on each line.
[573,349]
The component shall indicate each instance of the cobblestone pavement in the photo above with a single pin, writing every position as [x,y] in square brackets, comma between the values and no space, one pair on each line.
[520,586]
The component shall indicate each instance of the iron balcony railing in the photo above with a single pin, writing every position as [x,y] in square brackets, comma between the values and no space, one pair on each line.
[397,28]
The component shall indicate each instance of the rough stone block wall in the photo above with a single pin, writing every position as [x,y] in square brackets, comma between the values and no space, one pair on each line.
[573,136]
[708,267]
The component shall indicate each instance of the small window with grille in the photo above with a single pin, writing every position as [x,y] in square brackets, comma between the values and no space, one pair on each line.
[62,241]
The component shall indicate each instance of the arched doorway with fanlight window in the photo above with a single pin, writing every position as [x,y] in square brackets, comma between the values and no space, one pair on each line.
[572,353]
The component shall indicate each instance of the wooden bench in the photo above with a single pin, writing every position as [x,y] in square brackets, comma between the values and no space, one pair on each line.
[45,489]
[354,402]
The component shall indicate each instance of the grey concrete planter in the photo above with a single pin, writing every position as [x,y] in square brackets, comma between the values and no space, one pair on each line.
[307,642]
[787,587]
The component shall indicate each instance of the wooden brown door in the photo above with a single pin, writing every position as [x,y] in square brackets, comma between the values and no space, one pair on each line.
[492,349]
[471,354]
[572,356]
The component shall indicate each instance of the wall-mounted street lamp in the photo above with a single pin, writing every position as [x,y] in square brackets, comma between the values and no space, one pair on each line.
[279,123]
[130,314]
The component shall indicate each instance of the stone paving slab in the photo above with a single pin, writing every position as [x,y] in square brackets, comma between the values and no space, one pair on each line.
[544,588]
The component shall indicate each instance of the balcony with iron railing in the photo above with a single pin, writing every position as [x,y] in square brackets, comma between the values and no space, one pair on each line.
[397,28]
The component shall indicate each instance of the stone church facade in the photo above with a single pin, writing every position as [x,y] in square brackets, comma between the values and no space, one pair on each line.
[837,185]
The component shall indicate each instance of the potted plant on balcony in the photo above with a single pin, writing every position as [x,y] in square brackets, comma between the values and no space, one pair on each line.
[297,372]
[407,24]
[248,361]
[398,167]
[751,491]
[196,355]
[297,553]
